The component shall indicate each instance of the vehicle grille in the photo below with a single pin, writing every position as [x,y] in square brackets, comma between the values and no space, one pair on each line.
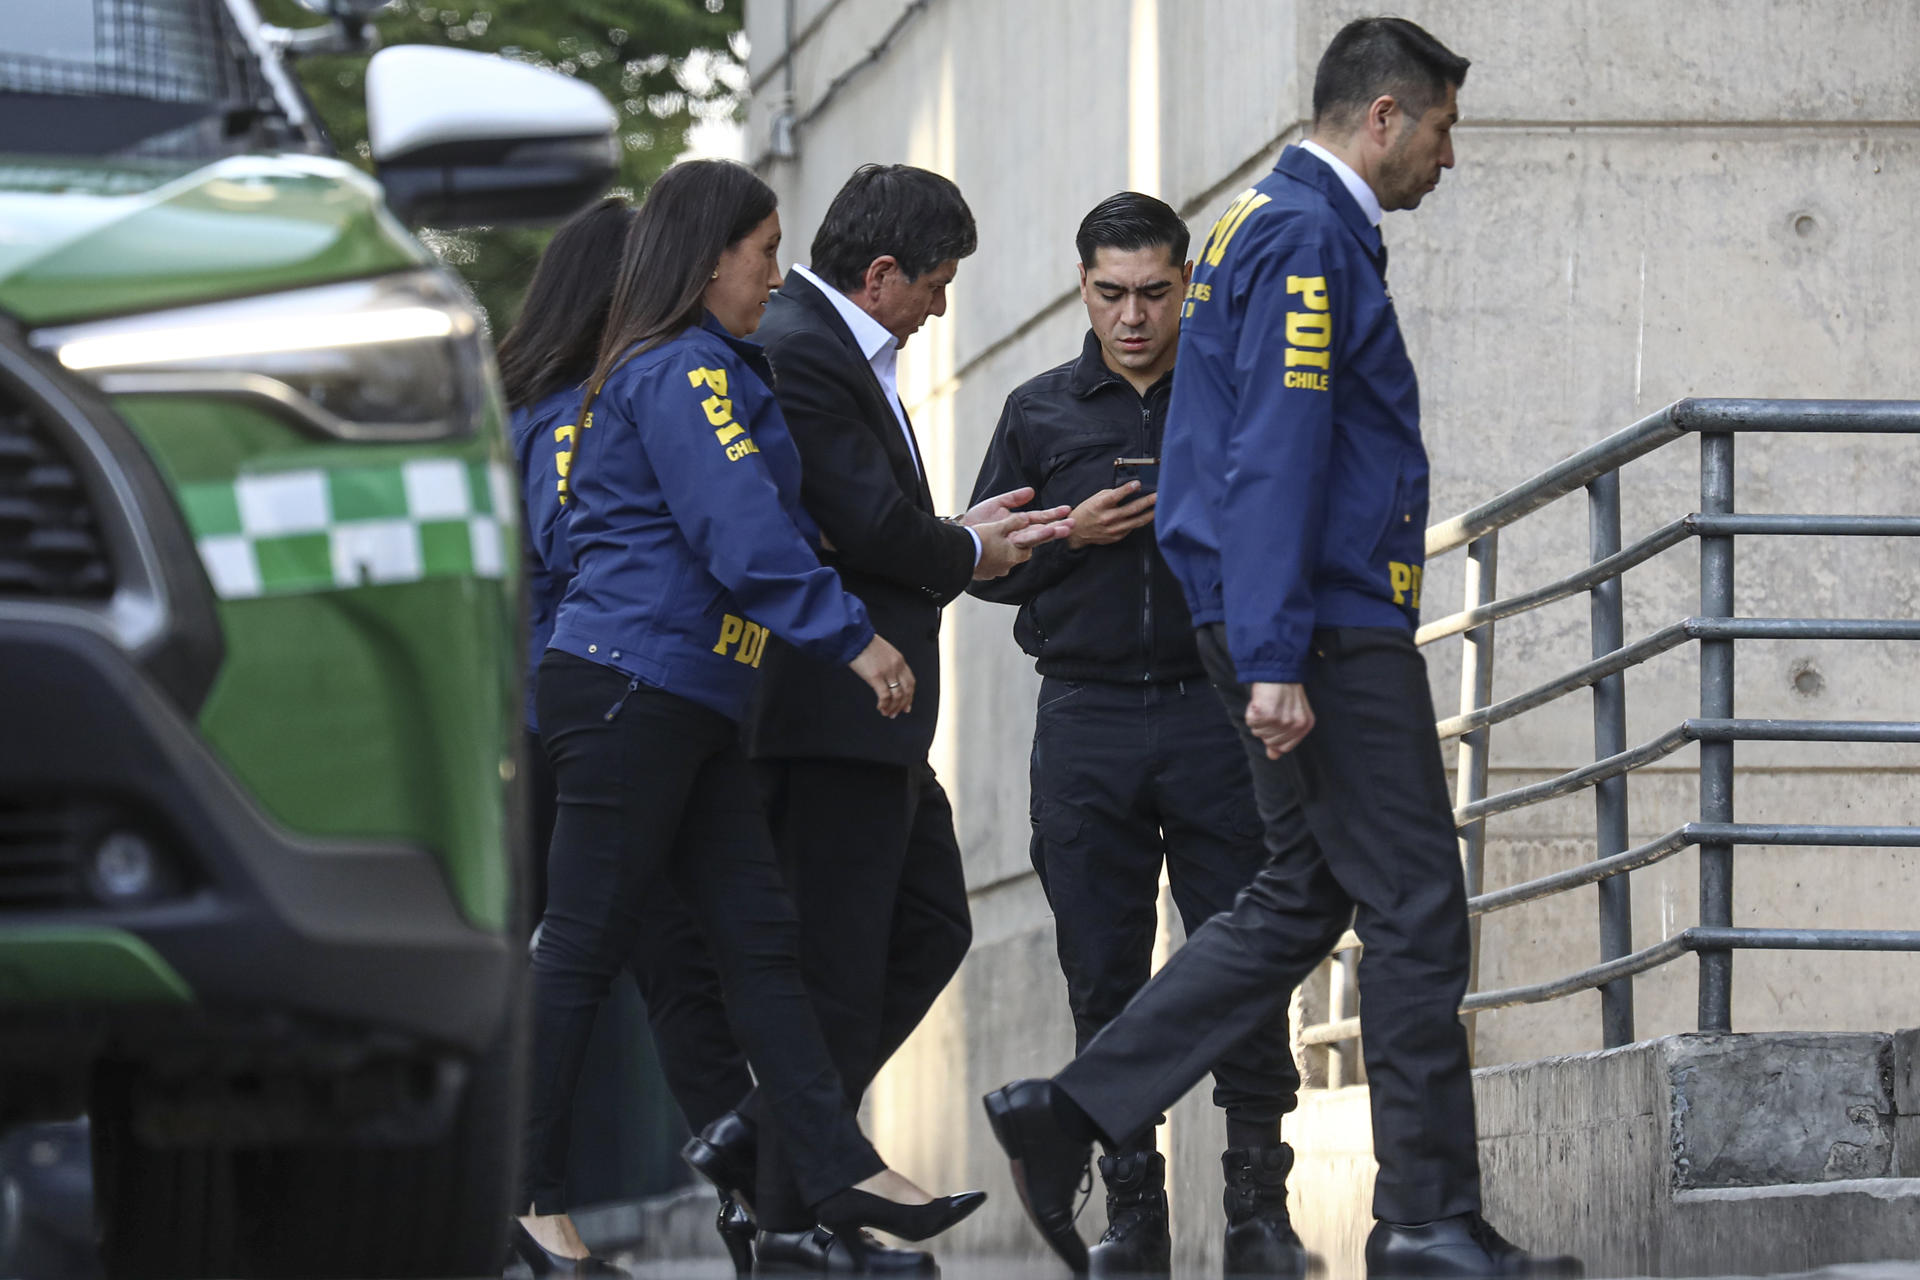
[42,855]
[50,543]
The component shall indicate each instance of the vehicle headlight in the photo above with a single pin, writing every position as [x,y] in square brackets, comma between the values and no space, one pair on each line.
[395,357]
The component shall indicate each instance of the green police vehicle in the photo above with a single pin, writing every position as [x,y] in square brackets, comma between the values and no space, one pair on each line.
[259,634]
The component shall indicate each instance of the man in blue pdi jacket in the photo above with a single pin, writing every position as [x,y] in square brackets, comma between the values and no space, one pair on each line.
[1133,765]
[1293,509]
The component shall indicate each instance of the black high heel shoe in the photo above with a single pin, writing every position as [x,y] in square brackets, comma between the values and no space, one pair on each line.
[726,1153]
[845,1212]
[736,1229]
[542,1262]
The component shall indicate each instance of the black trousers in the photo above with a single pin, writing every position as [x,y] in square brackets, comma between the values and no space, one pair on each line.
[1126,777]
[686,1010]
[1358,821]
[874,865]
[654,789]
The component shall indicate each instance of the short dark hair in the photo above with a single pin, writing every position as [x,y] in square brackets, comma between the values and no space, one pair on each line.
[695,212]
[1375,56]
[891,210]
[556,339]
[1128,221]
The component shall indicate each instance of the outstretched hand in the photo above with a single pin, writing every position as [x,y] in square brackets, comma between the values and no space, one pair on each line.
[997,508]
[1010,541]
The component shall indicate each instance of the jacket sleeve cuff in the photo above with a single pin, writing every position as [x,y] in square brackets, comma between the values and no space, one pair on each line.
[861,637]
[1271,673]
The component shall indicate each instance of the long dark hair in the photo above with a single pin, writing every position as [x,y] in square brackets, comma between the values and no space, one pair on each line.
[556,340]
[695,212]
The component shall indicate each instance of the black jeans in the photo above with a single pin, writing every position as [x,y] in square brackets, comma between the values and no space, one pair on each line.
[1126,777]
[686,1010]
[870,853]
[1358,822]
[654,789]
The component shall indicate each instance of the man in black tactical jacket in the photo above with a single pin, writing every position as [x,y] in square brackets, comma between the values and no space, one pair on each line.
[1133,763]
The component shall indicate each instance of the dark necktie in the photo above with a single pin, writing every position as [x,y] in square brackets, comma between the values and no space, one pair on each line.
[1380,261]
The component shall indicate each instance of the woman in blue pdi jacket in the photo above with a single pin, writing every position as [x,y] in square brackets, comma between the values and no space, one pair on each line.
[546,360]
[689,547]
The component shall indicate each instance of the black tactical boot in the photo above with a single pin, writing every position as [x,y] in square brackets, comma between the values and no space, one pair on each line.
[1260,1236]
[1137,1241]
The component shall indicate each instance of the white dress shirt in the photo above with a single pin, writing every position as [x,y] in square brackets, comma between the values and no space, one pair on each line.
[882,351]
[1355,184]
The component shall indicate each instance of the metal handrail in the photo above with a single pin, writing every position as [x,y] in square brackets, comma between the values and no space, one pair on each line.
[1673,636]
[1716,729]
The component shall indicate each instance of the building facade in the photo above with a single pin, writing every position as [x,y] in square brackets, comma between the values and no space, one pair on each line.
[1652,200]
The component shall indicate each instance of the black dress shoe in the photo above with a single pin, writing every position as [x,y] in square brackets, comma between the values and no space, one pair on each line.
[821,1252]
[1463,1245]
[544,1263]
[845,1212]
[726,1153]
[1049,1164]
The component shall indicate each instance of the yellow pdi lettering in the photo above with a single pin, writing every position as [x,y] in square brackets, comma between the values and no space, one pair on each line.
[563,456]
[747,640]
[1309,331]
[719,410]
[1223,231]
[715,380]
[1312,291]
[1405,580]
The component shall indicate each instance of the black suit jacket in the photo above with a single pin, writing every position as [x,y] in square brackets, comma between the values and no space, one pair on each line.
[860,485]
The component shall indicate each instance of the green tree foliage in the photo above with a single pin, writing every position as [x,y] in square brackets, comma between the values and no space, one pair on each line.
[663,64]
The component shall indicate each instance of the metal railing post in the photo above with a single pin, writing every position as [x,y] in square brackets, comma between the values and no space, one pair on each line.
[1716,758]
[1470,771]
[1343,1056]
[1610,738]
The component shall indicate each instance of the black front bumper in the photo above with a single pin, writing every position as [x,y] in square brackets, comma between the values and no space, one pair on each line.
[326,939]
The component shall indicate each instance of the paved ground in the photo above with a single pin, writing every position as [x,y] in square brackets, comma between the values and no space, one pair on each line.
[992,1269]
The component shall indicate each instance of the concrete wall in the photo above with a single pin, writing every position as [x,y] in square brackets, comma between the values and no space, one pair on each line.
[1653,200]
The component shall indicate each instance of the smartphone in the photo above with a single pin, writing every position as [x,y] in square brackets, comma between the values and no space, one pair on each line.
[1145,470]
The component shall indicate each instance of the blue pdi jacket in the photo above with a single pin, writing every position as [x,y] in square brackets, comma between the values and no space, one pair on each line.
[1293,491]
[543,434]
[686,531]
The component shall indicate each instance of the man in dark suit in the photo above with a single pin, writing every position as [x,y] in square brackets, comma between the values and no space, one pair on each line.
[863,826]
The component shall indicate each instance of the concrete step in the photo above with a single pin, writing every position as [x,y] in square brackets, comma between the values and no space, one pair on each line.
[1794,1226]
[1694,1155]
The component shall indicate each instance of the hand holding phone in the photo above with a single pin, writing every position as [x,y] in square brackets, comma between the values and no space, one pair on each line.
[1145,470]
[1112,514]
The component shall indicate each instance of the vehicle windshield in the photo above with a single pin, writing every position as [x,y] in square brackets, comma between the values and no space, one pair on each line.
[130,78]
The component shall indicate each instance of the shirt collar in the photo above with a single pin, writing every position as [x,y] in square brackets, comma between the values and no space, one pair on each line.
[869,334]
[1355,184]
[1090,371]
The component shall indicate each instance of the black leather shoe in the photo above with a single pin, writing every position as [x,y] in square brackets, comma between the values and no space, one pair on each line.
[542,1263]
[1137,1240]
[1049,1164]
[726,1153]
[735,1226]
[846,1212]
[1463,1245]
[820,1252]
[1261,1240]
